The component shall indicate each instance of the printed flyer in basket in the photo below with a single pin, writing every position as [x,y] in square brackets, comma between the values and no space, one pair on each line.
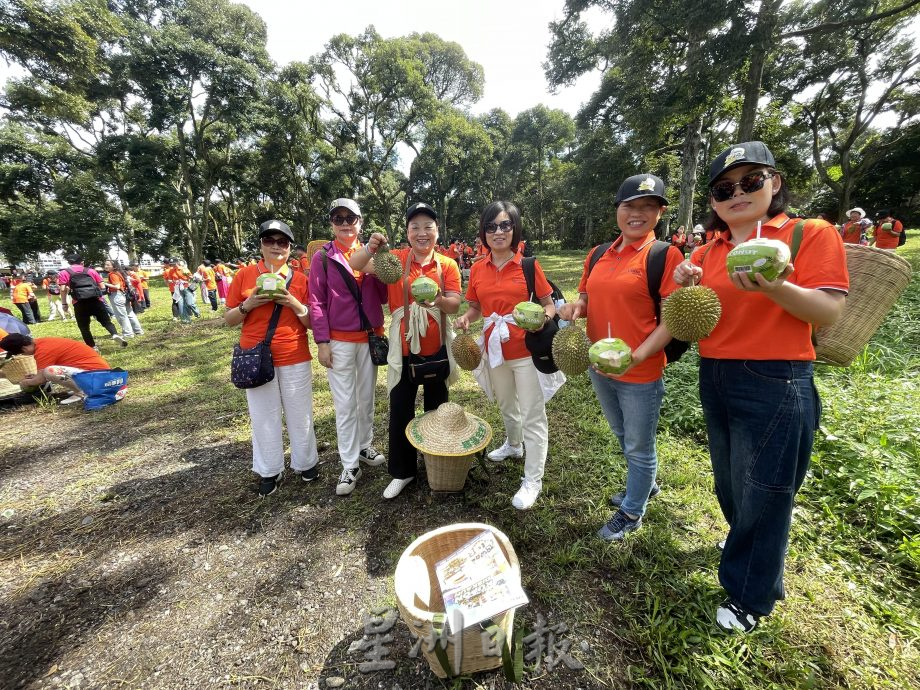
[477,582]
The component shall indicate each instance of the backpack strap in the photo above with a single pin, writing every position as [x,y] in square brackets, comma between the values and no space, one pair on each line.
[596,255]
[797,233]
[654,273]
[530,276]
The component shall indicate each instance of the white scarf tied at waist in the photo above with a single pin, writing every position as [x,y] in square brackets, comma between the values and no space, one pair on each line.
[500,334]
[416,328]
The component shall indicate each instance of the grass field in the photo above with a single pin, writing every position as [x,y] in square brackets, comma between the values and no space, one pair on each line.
[135,552]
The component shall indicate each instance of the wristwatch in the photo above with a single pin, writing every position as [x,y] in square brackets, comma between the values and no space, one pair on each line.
[242,309]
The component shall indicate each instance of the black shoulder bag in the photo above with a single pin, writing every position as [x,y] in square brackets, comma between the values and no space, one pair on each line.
[379,346]
[254,366]
[425,369]
[539,343]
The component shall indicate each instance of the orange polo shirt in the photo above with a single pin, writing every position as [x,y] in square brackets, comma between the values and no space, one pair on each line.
[888,239]
[210,278]
[22,292]
[144,277]
[64,352]
[618,299]
[852,232]
[289,344]
[498,291]
[449,282]
[116,280]
[752,325]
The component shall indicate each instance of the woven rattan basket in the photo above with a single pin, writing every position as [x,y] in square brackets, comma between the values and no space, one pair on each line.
[418,595]
[17,367]
[877,279]
[447,473]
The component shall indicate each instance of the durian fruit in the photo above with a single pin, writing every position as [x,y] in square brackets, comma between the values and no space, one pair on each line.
[570,350]
[387,267]
[466,352]
[691,313]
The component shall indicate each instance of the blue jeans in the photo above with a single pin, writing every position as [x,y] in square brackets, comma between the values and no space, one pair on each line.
[761,417]
[186,304]
[632,410]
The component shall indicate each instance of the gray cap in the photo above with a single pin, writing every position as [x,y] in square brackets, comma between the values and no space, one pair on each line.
[350,204]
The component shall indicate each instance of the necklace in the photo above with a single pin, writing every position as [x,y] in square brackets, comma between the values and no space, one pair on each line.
[498,267]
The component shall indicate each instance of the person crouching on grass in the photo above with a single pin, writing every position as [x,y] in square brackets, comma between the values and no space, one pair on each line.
[615,296]
[57,360]
[756,380]
[291,390]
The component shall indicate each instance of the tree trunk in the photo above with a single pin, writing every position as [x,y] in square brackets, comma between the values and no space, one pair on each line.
[589,231]
[762,42]
[690,159]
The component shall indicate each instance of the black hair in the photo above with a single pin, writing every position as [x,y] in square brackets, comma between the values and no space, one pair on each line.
[884,212]
[778,204]
[74,259]
[490,212]
[119,269]
[13,343]
[206,262]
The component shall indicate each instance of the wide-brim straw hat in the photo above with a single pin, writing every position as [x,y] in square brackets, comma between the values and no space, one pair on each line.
[449,430]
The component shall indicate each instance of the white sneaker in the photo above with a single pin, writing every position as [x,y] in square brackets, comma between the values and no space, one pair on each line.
[120,340]
[72,399]
[506,450]
[527,494]
[395,487]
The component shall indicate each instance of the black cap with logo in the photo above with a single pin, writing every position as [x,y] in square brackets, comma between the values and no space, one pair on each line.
[745,153]
[420,207]
[270,226]
[638,186]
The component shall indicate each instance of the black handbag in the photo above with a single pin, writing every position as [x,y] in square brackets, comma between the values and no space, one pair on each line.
[254,366]
[539,343]
[433,368]
[378,345]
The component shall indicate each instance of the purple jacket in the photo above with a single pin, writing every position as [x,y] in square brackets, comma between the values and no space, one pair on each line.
[332,306]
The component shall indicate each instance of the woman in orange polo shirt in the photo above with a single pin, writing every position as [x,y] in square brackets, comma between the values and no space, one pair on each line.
[23,297]
[414,333]
[497,284]
[614,295]
[117,285]
[756,372]
[291,391]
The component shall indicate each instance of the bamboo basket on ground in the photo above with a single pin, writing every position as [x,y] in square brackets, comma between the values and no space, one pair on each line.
[449,439]
[17,367]
[418,595]
[877,279]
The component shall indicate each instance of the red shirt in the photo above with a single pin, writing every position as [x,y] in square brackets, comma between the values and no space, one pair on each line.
[752,325]
[888,239]
[289,345]
[498,291]
[618,298]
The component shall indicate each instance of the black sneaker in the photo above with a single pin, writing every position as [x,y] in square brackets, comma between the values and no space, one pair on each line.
[731,617]
[310,475]
[371,456]
[269,485]
[617,499]
[619,526]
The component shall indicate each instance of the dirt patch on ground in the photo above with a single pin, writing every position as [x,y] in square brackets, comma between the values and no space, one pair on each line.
[134,559]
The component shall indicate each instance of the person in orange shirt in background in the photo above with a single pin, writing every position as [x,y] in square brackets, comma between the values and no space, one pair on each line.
[419,259]
[57,360]
[854,230]
[209,283]
[290,392]
[141,280]
[117,285]
[224,275]
[53,291]
[170,276]
[496,285]
[24,298]
[679,239]
[756,371]
[615,298]
[887,231]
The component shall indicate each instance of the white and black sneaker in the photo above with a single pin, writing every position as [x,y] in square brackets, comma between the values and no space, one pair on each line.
[731,617]
[347,481]
[371,456]
[619,526]
[269,485]
[120,340]
[310,475]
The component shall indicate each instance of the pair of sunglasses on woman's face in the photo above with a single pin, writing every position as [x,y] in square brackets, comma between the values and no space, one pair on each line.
[504,226]
[750,183]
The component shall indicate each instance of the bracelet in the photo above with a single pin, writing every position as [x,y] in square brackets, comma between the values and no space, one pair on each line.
[305,311]
[242,310]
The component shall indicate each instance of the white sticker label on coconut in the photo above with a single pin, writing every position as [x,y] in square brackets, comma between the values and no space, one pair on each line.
[269,285]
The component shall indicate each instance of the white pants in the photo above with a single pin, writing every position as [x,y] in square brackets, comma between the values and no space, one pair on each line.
[291,391]
[516,387]
[126,317]
[55,307]
[352,381]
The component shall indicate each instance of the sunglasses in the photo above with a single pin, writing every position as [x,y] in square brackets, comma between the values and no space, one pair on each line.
[344,220]
[504,226]
[280,242]
[750,183]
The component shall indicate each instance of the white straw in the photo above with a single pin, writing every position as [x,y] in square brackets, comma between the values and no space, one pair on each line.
[758,229]
[609,335]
